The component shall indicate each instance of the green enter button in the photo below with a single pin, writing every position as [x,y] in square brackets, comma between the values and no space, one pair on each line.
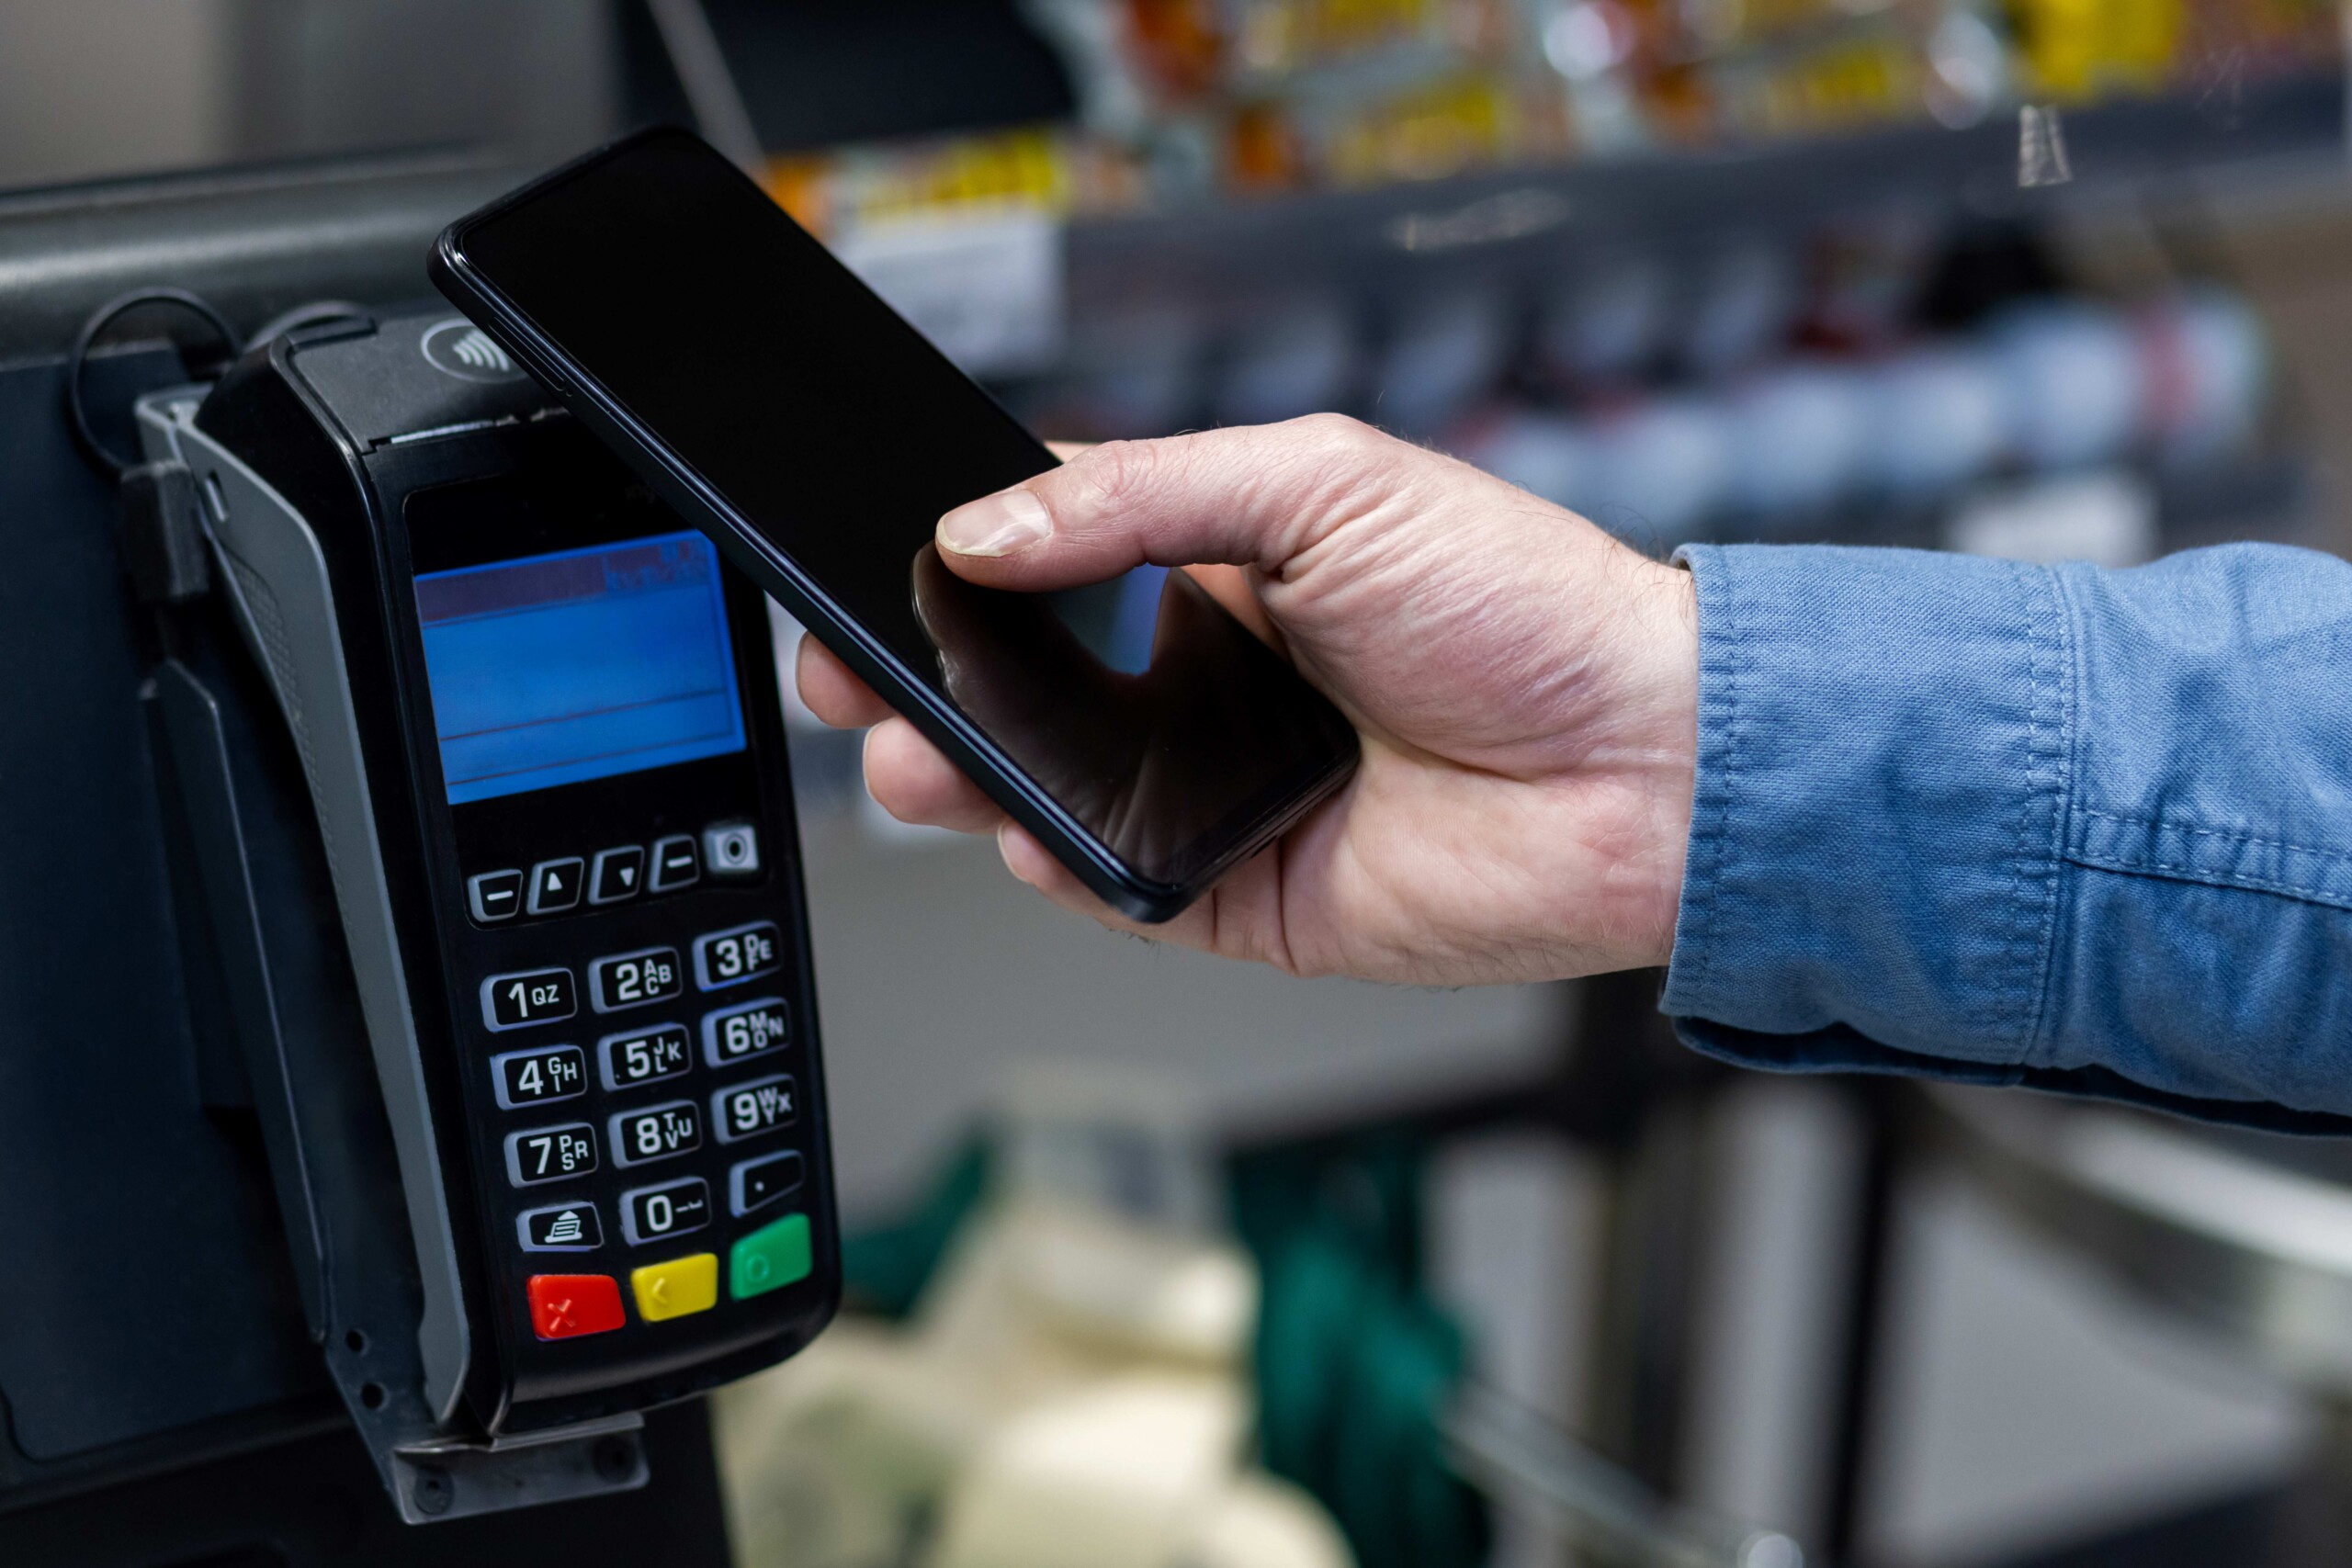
[770,1257]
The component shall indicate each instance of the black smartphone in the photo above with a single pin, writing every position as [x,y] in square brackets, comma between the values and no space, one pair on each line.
[1144,735]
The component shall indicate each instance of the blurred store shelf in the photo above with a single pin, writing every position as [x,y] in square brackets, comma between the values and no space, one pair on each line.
[1402,237]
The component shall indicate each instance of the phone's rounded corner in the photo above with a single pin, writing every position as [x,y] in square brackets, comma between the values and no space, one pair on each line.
[1140,899]
[445,261]
[1160,907]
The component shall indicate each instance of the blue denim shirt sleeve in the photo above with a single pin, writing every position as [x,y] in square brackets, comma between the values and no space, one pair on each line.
[2074,827]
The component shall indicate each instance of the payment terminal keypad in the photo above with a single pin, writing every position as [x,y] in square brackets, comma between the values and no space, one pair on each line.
[676,1105]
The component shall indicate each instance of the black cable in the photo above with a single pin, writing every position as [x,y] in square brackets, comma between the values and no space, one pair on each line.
[309,315]
[105,316]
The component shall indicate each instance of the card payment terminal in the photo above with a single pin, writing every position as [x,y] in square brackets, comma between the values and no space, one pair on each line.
[538,718]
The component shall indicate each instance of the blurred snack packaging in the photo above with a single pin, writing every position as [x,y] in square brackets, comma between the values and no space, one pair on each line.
[1183,102]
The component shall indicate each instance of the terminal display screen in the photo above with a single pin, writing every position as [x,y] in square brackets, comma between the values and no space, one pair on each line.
[551,669]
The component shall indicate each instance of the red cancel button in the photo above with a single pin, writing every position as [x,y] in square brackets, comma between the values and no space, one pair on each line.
[563,1305]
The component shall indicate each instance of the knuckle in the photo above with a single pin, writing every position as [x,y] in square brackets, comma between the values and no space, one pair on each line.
[1110,475]
[1337,433]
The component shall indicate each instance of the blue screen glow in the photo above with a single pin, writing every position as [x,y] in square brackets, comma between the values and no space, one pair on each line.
[548,670]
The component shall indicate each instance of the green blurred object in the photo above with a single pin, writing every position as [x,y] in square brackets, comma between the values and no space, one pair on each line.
[1355,1364]
[885,1267]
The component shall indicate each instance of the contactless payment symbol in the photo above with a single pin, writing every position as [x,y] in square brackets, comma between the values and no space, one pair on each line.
[457,348]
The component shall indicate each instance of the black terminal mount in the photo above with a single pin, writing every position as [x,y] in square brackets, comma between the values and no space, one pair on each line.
[550,1140]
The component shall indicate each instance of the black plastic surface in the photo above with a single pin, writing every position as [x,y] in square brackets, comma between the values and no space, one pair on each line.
[277,415]
[152,1322]
[314,1503]
[148,1284]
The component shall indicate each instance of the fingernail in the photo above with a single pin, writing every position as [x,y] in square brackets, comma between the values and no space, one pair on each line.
[995,525]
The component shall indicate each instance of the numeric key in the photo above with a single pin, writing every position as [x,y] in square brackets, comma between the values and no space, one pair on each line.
[745,1031]
[646,1056]
[551,1154]
[658,1132]
[649,1213]
[534,1077]
[750,1109]
[727,958]
[634,979]
[534,997]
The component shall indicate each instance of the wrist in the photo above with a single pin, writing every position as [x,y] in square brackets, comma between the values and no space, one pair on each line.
[1666,675]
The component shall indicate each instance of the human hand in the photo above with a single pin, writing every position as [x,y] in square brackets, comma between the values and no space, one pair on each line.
[1524,686]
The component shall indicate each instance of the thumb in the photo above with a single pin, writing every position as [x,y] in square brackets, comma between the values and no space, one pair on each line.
[1254,495]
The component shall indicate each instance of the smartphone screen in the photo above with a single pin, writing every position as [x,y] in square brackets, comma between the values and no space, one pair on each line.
[833,430]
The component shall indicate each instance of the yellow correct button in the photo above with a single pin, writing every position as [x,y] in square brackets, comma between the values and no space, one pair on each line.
[682,1285]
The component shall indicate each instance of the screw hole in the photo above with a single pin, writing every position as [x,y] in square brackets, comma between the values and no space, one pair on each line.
[371,1395]
[357,1341]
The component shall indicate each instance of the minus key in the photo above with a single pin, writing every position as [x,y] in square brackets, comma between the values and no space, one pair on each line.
[495,895]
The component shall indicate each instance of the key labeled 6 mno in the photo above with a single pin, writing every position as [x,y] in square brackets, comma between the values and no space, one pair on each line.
[745,1030]
[748,1109]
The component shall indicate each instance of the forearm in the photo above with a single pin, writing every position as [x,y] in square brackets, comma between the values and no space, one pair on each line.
[2081,828]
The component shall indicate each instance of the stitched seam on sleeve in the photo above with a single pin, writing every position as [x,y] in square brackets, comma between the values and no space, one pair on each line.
[2236,882]
[2005,1016]
[2054,698]
[1735,645]
[2253,841]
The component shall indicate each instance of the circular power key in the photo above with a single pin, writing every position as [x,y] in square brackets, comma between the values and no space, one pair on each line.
[732,849]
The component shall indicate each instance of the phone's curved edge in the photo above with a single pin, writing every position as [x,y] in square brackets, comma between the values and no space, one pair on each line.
[1143,899]
[1110,879]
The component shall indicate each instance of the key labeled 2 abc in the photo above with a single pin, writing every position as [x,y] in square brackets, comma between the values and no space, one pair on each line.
[633,979]
[658,1132]
[748,1109]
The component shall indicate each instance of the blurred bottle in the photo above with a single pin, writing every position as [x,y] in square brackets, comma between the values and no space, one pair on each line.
[1295,361]
[1605,323]
[2071,377]
[1938,420]
[2207,365]
[1439,359]
[1796,436]
[1745,300]
[1131,374]
[1591,45]
[1548,455]
[1661,469]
